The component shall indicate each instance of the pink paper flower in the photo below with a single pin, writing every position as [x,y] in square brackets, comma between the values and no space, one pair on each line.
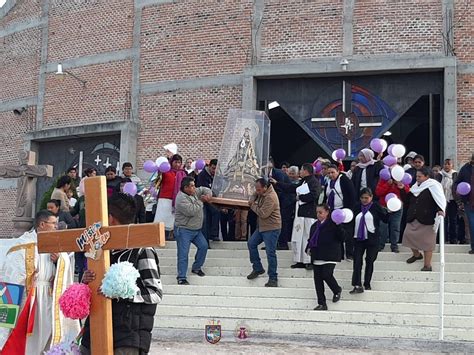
[75,302]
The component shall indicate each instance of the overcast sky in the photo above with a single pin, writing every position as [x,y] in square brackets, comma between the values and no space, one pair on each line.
[2,2]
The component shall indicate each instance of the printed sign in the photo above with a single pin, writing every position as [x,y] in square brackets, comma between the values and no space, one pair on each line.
[213,332]
[95,239]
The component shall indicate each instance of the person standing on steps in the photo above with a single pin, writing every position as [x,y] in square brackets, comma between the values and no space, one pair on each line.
[266,206]
[466,205]
[368,215]
[324,248]
[189,216]
[424,202]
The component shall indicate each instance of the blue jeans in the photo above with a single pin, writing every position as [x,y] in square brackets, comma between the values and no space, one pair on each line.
[470,218]
[391,230]
[184,237]
[270,238]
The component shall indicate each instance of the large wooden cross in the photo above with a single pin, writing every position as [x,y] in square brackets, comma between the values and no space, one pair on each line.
[121,237]
[27,173]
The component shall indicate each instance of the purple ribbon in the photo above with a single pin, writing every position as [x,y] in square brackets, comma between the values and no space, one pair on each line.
[313,242]
[361,230]
[332,194]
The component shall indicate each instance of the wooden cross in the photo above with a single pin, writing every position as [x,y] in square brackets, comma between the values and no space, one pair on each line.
[27,172]
[347,120]
[121,237]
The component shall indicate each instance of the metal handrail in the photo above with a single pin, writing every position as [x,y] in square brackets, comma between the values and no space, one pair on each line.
[441,279]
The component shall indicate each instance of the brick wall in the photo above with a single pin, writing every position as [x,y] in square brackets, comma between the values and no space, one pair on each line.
[465,109]
[103,99]
[384,27]
[22,11]
[193,119]
[19,64]
[7,212]
[194,39]
[85,27]
[301,30]
[463,25]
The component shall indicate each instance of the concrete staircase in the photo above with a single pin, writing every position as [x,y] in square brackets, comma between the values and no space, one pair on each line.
[402,304]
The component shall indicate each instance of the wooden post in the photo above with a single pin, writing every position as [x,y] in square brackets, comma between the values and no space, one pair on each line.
[121,237]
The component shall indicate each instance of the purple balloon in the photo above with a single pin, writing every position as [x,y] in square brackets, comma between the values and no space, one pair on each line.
[149,166]
[164,167]
[338,216]
[130,188]
[318,167]
[200,164]
[463,189]
[389,149]
[340,153]
[385,174]
[389,160]
[376,145]
[407,179]
[389,196]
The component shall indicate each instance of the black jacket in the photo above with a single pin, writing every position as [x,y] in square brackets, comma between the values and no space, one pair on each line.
[349,196]
[141,212]
[465,175]
[372,176]
[379,214]
[422,208]
[204,179]
[329,242]
[308,209]
[132,322]
[67,218]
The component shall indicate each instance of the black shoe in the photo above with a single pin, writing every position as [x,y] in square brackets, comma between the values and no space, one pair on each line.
[395,250]
[462,242]
[321,307]
[471,251]
[349,258]
[198,272]
[272,283]
[367,288]
[254,274]
[263,248]
[308,266]
[413,258]
[357,289]
[183,282]
[381,248]
[337,296]
[426,268]
[298,266]
[283,247]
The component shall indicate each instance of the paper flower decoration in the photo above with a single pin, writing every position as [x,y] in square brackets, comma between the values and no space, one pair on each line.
[64,348]
[120,281]
[75,302]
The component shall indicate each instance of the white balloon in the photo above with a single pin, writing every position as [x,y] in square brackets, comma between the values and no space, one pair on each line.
[160,160]
[193,165]
[348,215]
[81,187]
[333,156]
[384,144]
[406,167]
[398,150]
[397,173]
[394,204]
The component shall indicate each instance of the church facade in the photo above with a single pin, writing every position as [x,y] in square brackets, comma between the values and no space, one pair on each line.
[138,74]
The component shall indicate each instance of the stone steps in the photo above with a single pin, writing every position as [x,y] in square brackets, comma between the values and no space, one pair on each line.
[403,302]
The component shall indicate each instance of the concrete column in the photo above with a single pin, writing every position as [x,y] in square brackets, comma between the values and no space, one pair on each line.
[249,93]
[450,114]
[348,28]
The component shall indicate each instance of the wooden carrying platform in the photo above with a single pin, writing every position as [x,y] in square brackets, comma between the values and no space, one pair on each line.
[230,203]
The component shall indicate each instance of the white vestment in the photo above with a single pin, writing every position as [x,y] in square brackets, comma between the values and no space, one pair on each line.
[13,269]
[299,237]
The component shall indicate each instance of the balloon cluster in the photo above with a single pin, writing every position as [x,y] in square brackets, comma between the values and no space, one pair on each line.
[160,165]
[391,168]
[342,215]
[393,202]
[338,154]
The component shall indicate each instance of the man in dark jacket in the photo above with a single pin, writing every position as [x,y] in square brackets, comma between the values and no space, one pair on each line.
[307,194]
[210,227]
[132,319]
[140,204]
[466,174]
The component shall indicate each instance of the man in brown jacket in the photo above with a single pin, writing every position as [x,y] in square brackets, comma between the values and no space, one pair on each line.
[265,204]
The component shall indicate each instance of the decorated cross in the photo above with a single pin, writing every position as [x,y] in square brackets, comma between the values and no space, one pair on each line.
[346,120]
[96,241]
[27,173]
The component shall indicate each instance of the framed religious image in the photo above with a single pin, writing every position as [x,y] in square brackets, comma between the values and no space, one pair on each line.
[243,157]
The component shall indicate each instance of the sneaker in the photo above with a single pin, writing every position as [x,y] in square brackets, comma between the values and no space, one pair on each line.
[426,268]
[272,283]
[198,272]
[357,289]
[183,282]
[337,296]
[308,266]
[254,274]
[413,258]
[321,307]
[298,266]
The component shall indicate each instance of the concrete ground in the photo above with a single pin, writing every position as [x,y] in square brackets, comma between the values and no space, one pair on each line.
[175,341]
